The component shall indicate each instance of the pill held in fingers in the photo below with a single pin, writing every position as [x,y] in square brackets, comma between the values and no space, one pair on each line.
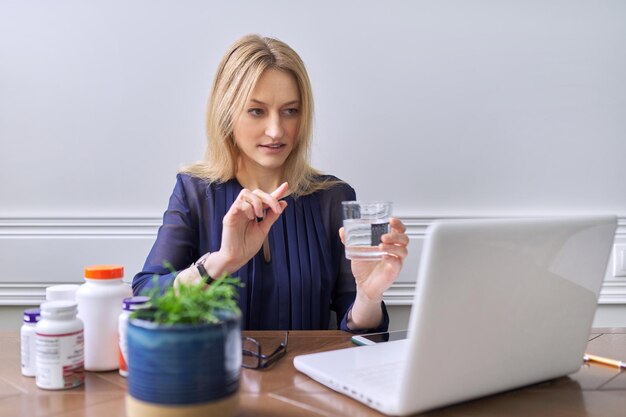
[260,219]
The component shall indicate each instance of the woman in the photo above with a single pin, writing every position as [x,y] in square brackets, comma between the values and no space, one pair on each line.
[256,209]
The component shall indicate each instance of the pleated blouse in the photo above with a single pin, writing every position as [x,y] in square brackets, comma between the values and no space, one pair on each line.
[307,276]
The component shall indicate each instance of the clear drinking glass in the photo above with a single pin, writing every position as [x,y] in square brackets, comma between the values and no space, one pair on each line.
[364,223]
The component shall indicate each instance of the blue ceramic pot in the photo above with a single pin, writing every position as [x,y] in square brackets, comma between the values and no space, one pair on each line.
[183,364]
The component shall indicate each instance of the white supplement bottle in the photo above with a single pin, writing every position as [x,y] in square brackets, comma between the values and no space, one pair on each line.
[61,292]
[28,335]
[129,305]
[99,306]
[60,346]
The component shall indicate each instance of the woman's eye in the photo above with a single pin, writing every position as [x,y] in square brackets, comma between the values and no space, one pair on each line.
[291,112]
[255,112]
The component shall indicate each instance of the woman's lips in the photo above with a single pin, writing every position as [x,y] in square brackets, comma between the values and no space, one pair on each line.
[273,148]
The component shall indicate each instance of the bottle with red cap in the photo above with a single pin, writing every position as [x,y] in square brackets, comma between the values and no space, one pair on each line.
[99,306]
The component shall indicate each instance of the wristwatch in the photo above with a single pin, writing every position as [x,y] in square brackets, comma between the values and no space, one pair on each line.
[202,270]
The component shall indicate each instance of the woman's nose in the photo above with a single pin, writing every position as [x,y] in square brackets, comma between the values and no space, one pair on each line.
[274,128]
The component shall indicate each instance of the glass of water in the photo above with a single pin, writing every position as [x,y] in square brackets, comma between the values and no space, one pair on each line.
[364,223]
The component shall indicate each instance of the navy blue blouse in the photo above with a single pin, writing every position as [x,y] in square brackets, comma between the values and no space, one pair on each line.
[307,276]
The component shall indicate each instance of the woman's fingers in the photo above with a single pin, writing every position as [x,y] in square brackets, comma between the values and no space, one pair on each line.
[272,199]
[260,200]
[245,207]
[395,238]
[397,224]
[397,233]
[271,217]
[281,191]
[268,200]
[258,205]
[395,250]
[249,197]
[396,241]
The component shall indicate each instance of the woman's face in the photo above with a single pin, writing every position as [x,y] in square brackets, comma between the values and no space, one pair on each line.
[265,132]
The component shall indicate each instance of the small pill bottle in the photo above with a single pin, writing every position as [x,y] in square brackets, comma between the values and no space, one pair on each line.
[128,306]
[28,335]
[61,292]
[60,346]
[99,307]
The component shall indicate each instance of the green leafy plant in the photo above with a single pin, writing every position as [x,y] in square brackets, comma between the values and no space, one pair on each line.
[191,303]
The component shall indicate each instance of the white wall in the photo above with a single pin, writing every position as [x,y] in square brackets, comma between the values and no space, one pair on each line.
[448,108]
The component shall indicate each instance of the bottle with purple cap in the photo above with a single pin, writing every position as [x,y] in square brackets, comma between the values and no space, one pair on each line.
[28,339]
[129,305]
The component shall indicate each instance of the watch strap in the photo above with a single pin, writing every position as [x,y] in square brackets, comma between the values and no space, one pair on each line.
[202,270]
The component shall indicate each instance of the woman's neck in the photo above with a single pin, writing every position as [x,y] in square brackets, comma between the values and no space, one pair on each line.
[263,180]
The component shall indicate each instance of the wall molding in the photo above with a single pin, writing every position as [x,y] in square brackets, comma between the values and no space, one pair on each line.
[133,234]
[19,227]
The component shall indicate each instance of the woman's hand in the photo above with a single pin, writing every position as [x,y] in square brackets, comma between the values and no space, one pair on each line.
[374,278]
[245,227]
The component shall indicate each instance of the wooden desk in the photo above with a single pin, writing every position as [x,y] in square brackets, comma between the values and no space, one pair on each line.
[595,390]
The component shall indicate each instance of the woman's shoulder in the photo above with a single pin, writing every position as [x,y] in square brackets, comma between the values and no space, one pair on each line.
[333,187]
[192,182]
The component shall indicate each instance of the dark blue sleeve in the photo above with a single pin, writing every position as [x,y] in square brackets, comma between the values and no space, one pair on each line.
[384,325]
[176,242]
[344,292]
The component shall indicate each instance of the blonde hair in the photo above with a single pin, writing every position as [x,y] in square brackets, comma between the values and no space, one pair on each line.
[238,72]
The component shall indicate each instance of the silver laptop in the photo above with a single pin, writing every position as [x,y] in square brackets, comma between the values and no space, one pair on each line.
[499,304]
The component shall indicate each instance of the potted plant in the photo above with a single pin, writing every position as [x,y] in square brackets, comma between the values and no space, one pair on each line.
[184,352]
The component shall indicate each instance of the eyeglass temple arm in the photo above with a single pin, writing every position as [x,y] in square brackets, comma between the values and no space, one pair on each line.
[276,355]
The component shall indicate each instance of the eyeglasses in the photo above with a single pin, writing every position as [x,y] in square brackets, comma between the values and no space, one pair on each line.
[253,358]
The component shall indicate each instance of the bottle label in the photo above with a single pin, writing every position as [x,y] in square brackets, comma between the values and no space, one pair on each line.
[60,360]
[28,353]
[123,345]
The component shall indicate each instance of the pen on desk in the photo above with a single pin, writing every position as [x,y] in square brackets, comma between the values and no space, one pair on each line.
[606,361]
